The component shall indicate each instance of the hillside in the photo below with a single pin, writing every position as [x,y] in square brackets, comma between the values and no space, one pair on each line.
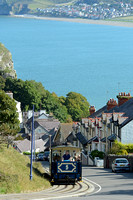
[15,171]
[8,7]
[6,63]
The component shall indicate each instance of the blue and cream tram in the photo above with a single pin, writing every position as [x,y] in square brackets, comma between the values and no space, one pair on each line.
[66,171]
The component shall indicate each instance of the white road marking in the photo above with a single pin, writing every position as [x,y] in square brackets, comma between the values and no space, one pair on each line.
[94,184]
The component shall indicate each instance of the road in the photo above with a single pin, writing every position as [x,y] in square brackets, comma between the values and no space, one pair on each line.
[98,183]
[111,186]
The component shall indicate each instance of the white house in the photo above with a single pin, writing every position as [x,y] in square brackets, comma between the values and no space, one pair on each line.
[18,106]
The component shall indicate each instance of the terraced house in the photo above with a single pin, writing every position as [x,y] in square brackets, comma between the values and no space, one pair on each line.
[113,121]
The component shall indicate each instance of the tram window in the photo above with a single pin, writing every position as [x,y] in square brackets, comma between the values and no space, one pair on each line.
[56,157]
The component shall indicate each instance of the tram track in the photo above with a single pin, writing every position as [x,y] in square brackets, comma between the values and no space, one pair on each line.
[55,192]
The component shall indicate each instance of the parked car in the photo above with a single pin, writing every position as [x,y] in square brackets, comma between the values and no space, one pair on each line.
[46,155]
[40,157]
[120,164]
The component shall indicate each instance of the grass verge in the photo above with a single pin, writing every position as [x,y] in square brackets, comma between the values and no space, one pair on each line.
[15,171]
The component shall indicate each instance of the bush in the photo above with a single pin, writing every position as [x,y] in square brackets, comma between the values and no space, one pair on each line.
[121,149]
[129,148]
[97,153]
[122,152]
[26,153]
[19,137]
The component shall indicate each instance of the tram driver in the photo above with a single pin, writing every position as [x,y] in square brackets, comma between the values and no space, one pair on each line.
[66,156]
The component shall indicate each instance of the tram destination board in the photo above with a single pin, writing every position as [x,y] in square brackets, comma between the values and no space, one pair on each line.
[67,167]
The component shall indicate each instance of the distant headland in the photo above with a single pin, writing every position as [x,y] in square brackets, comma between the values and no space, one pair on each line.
[79,20]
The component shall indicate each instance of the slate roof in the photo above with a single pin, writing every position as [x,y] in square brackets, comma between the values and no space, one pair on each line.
[103,139]
[49,124]
[71,137]
[112,137]
[25,145]
[40,144]
[127,109]
[66,129]
[81,138]
[99,112]
[94,139]
[52,133]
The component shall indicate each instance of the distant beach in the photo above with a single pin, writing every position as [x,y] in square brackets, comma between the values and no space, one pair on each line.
[78,20]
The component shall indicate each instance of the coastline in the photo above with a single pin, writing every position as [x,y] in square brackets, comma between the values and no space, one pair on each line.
[79,20]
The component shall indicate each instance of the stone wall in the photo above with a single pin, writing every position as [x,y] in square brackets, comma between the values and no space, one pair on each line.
[110,158]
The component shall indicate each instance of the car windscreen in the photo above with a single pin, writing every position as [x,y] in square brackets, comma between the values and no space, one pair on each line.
[121,161]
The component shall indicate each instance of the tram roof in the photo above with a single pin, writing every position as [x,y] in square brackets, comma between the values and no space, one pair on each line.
[66,147]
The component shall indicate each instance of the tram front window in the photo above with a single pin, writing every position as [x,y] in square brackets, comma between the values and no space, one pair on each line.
[66,156]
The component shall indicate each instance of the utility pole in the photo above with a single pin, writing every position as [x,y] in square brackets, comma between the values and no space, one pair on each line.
[31,159]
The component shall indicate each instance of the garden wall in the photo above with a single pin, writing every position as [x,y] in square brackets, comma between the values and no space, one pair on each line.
[108,159]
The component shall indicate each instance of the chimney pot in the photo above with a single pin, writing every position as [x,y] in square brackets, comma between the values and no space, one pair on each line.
[111,104]
[123,98]
[92,109]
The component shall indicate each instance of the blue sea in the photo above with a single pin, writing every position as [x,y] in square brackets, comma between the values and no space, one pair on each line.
[94,60]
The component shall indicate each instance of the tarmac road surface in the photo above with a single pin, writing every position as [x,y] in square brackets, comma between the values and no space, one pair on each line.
[98,183]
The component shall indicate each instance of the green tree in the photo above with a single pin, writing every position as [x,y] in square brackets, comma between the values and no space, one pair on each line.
[26,92]
[77,106]
[9,123]
[2,82]
[32,92]
[52,104]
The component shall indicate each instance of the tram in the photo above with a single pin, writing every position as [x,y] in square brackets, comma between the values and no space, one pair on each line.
[65,164]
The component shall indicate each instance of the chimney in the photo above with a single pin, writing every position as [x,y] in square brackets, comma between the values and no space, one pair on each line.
[92,110]
[111,104]
[123,97]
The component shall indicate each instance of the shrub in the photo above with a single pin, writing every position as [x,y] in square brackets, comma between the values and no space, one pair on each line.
[19,137]
[26,153]
[121,149]
[122,152]
[97,153]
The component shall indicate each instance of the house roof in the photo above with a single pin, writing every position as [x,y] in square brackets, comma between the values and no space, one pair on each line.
[94,139]
[51,137]
[126,109]
[112,137]
[99,112]
[40,144]
[71,137]
[23,145]
[103,139]
[66,129]
[81,138]
[49,124]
